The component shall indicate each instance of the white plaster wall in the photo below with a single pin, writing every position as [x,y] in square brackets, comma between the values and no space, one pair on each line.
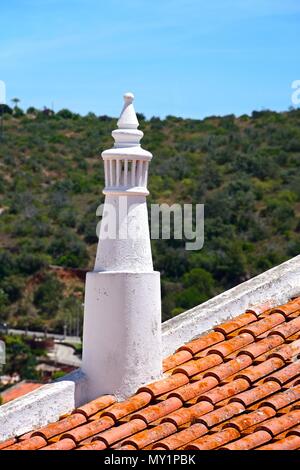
[122,332]
[128,215]
[36,409]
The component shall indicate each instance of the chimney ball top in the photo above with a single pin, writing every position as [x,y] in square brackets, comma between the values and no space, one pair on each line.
[128,97]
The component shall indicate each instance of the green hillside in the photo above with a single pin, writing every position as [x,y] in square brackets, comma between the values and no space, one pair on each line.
[246,171]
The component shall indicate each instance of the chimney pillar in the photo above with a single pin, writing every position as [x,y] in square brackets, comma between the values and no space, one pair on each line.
[122,311]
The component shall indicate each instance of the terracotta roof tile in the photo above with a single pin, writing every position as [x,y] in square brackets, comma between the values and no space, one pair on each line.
[289,308]
[97,445]
[237,387]
[192,390]
[255,373]
[165,385]
[181,438]
[145,438]
[288,443]
[18,390]
[96,405]
[288,351]
[282,423]
[153,412]
[256,393]
[200,365]
[236,323]
[231,345]
[264,325]
[282,399]
[89,429]
[186,415]
[127,447]
[34,443]
[119,410]
[221,414]
[225,391]
[287,329]
[70,422]
[117,433]
[203,342]
[229,368]
[249,442]
[256,349]
[286,373]
[295,430]
[215,440]
[246,420]
[64,444]
[7,443]
[176,359]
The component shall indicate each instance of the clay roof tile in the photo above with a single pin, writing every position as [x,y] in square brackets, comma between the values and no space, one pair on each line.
[287,351]
[255,373]
[225,391]
[231,345]
[256,349]
[119,410]
[89,429]
[256,393]
[176,359]
[236,323]
[288,443]
[153,412]
[203,342]
[65,424]
[96,405]
[287,329]
[64,444]
[282,399]
[33,443]
[286,373]
[181,438]
[187,415]
[192,390]
[282,423]
[221,414]
[247,420]
[165,385]
[214,440]
[200,365]
[264,325]
[149,436]
[227,369]
[249,442]
[117,433]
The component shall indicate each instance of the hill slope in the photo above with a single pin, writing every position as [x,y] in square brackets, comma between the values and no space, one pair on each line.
[246,171]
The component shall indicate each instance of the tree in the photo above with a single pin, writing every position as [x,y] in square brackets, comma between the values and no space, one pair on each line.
[48,295]
[16,101]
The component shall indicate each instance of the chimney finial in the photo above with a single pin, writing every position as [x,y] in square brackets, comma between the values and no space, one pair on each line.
[128,119]
[122,310]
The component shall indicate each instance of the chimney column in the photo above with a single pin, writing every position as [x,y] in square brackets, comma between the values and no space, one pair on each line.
[122,314]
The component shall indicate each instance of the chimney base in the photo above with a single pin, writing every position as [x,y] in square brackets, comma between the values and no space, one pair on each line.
[122,332]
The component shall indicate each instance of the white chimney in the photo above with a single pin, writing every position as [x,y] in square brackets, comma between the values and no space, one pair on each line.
[122,317]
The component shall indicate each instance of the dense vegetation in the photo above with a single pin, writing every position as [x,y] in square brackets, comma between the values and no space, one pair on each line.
[22,355]
[245,170]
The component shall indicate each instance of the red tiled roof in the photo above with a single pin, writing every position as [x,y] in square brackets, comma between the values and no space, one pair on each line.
[237,387]
[19,390]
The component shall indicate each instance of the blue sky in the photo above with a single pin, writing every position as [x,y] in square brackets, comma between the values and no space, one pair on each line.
[190,58]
